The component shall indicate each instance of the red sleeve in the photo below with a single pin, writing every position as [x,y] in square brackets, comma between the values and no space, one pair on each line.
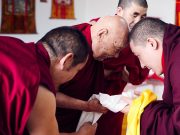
[19,81]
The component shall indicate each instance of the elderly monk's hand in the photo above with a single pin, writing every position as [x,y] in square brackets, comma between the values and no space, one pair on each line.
[94,105]
[127,107]
[87,129]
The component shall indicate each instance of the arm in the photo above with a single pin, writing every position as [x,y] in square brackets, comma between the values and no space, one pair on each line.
[65,101]
[86,129]
[42,119]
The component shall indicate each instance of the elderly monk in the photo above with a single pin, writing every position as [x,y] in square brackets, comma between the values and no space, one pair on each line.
[106,39]
[157,45]
[124,69]
[29,76]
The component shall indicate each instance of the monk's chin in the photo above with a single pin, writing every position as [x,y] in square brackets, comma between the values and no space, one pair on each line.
[99,59]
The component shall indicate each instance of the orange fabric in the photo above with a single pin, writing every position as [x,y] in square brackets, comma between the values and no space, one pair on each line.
[178,12]
[62,9]
[18,16]
[124,125]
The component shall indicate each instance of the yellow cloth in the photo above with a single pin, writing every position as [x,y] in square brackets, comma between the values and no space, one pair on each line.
[136,109]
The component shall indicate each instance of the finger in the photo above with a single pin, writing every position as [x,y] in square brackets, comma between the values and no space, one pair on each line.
[105,110]
[95,125]
[126,71]
[138,93]
[126,109]
[127,99]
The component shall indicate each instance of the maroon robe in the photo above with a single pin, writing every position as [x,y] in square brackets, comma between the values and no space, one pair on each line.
[163,117]
[114,84]
[88,81]
[23,67]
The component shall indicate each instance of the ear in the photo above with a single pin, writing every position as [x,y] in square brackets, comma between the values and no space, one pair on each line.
[119,11]
[92,22]
[66,61]
[102,33]
[153,43]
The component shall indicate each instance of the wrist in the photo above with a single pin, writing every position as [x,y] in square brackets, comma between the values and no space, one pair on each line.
[85,106]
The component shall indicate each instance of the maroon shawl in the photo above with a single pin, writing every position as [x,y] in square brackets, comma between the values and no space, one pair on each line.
[20,76]
[114,83]
[163,117]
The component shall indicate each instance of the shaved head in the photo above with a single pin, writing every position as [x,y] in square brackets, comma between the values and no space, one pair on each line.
[148,27]
[113,21]
[127,3]
[109,32]
[63,40]
[117,27]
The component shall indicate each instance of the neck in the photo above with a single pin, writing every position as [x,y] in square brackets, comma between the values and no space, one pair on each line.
[55,78]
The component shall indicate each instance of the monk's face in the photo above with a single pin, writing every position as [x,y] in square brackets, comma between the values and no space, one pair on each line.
[73,71]
[63,71]
[67,75]
[110,43]
[149,55]
[108,48]
[132,14]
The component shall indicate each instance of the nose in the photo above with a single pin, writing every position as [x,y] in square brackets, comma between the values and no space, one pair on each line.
[137,20]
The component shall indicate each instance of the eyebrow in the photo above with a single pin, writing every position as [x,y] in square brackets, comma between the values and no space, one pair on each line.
[136,13]
[144,15]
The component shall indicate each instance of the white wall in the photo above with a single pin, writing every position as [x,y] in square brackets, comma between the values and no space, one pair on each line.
[97,8]
[88,9]
[44,23]
[163,9]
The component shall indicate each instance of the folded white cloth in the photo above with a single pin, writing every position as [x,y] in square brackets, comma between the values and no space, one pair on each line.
[114,103]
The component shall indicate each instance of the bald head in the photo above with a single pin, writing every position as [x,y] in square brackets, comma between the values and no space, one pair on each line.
[112,21]
[109,35]
[127,3]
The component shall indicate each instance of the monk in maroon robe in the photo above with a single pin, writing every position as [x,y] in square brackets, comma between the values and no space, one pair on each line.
[157,46]
[28,75]
[115,83]
[75,94]
[116,77]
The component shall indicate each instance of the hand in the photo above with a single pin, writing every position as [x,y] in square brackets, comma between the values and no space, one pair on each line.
[94,105]
[126,108]
[87,129]
[107,72]
[137,93]
[125,74]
